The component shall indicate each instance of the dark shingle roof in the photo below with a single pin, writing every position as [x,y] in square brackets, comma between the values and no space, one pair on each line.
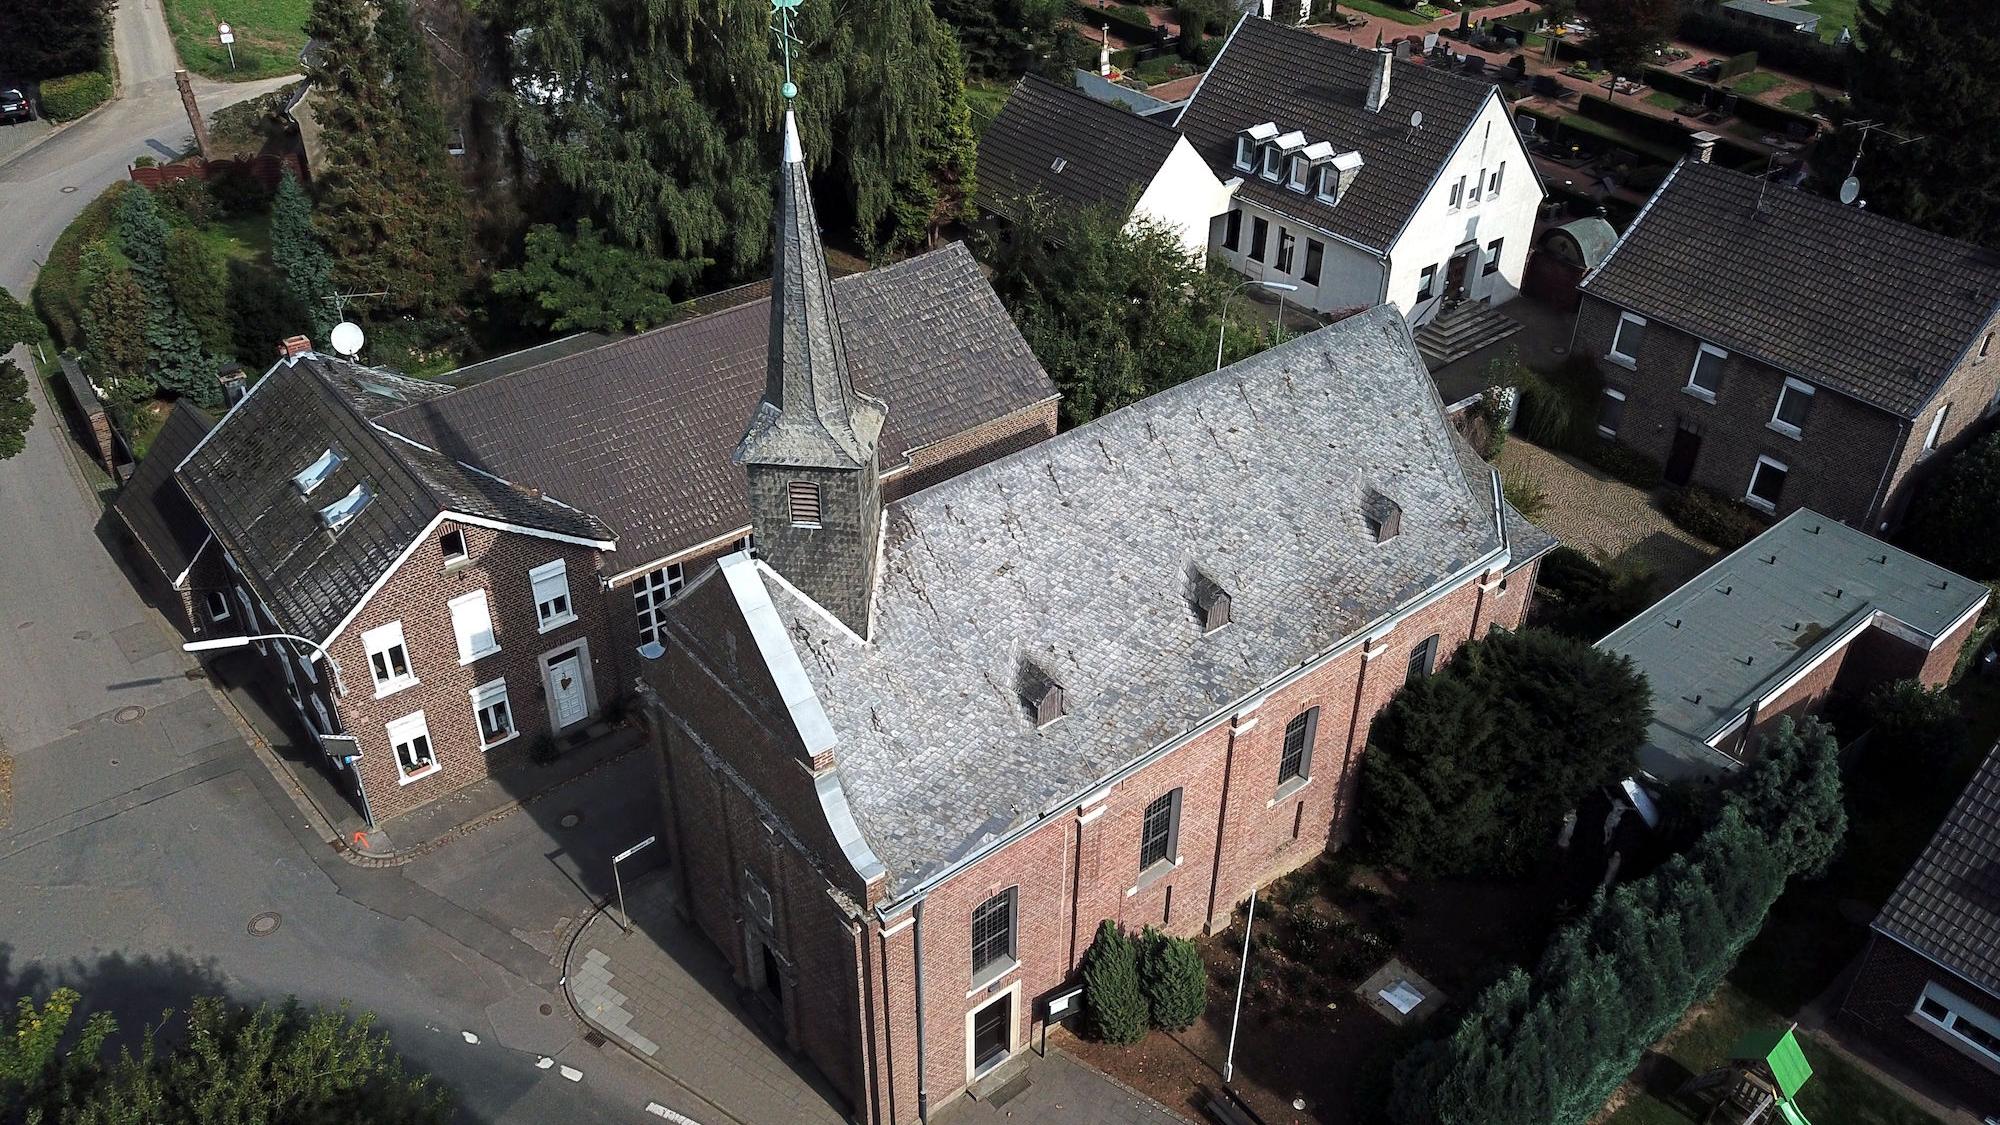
[1300,81]
[1107,155]
[152,504]
[80,390]
[1838,295]
[241,481]
[1948,908]
[1764,10]
[1077,555]
[640,431]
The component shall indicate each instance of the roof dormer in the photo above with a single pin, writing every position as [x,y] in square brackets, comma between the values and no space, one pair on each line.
[1335,175]
[1381,516]
[1249,140]
[1304,172]
[1278,151]
[1211,602]
[1041,693]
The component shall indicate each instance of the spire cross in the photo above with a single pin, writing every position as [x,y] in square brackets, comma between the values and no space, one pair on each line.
[782,12]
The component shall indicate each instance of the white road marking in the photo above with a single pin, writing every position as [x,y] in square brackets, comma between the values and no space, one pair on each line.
[572,1073]
[470,1038]
[658,1110]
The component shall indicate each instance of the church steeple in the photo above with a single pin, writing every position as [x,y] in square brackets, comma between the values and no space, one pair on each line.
[809,452]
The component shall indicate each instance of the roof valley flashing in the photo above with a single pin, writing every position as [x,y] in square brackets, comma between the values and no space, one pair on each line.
[1072,555]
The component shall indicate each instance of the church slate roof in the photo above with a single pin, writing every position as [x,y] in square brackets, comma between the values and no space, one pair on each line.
[639,431]
[240,479]
[1298,80]
[1948,906]
[152,505]
[1841,296]
[1069,147]
[1076,555]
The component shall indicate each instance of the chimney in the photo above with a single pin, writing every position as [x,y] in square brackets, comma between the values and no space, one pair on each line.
[1704,147]
[1378,79]
[233,380]
[1104,53]
[294,345]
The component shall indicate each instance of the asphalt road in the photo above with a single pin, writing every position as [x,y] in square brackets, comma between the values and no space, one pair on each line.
[142,836]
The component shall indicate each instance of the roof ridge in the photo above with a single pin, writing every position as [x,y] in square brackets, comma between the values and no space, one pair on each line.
[1110,110]
[1987,256]
[324,384]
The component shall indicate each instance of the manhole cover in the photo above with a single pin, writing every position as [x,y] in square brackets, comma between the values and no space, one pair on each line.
[68,188]
[548,1010]
[570,819]
[128,715]
[265,924]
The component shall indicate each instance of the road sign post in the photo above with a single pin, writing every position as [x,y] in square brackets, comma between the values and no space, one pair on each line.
[228,38]
[619,881]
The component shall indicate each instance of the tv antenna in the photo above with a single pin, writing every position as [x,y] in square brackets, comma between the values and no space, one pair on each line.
[340,300]
[1850,188]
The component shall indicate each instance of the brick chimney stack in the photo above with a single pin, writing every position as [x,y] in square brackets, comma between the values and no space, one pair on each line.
[294,345]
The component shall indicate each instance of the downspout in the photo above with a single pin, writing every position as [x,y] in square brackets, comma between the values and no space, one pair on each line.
[1904,429]
[917,959]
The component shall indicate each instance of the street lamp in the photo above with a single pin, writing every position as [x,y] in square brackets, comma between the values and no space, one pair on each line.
[1242,971]
[621,857]
[214,644]
[1222,333]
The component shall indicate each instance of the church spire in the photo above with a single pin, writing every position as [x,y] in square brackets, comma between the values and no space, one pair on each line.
[810,449]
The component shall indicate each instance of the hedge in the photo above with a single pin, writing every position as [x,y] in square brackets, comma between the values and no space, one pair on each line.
[1125,20]
[1661,131]
[58,293]
[1713,516]
[1749,109]
[1806,56]
[72,96]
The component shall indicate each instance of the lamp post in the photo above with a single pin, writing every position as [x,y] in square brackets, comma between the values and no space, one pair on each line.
[214,644]
[621,857]
[1222,333]
[1242,971]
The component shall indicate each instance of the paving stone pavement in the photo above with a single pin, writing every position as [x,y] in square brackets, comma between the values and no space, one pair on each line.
[1059,1090]
[662,992]
[1590,511]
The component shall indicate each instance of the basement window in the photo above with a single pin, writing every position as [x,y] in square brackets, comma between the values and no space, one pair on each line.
[315,474]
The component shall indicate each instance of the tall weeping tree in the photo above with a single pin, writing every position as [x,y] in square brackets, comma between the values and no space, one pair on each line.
[660,117]
[1923,69]
[390,211]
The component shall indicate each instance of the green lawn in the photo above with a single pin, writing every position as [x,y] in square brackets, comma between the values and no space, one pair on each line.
[1386,11]
[984,99]
[1833,15]
[1756,82]
[1665,100]
[1801,101]
[269,36]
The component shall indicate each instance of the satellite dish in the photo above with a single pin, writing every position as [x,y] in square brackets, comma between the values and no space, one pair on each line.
[1417,120]
[347,338]
[1850,189]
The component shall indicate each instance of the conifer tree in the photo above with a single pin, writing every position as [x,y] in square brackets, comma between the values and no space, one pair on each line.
[301,259]
[195,282]
[17,410]
[1929,69]
[114,325]
[175,359]
[1111,992]
[1175,984]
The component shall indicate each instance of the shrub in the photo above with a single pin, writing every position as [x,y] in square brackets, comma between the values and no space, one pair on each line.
[1111,993]
[1175,984]
[1804,55]
[543,749]
[1916,733]
[1712,516]
[189,200]
[1951,521]
[1524,495]
[1621,462]
[237,189]
[1587,598]
[59,289]
[70,97]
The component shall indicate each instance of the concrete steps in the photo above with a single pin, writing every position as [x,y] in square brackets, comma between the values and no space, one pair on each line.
[1458,332]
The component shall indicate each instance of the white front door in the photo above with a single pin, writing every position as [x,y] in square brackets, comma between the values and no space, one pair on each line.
[569,700]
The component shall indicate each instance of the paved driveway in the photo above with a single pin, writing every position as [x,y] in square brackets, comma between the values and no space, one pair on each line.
[1588,510]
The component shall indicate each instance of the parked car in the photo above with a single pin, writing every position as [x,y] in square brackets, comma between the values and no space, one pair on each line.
[14,106]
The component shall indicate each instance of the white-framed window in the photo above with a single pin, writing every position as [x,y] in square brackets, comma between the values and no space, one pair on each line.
[1705,377]
[472,624]
[315,474]
[1971,1030]
[1272,157]
[1160,830]
[342,511]
[1287,249]
[1937,427]
[1493,257]
[410,738]
[552,606]
[1610,412]
[1627,340]
[1329,183]
[651,593]
[1767,483]
[1427,283]
[1493,180]
[993,928]
[388,658]
[452,545]
[218,605]
[1301,172]
[1478,186]
[1246,152]
[747,543]
[1986,346]
[1794,403]
[496,717]
[1458,194]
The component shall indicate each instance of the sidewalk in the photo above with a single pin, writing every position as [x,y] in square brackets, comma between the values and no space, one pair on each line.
[1056,1089]
[664,994]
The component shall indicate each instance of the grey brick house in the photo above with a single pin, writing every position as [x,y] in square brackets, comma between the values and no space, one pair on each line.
[484,561]
[1789,351]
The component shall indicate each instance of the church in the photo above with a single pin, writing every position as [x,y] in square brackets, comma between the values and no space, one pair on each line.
[916,749]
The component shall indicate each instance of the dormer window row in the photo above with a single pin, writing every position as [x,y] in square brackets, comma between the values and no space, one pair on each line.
[1315,169]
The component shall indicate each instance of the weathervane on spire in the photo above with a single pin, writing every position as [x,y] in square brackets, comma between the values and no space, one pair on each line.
[782,12]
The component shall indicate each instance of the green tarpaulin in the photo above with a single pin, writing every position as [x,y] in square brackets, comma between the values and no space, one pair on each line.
[1780,1051]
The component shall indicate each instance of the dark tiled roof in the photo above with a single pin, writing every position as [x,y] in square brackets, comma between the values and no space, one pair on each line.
[640,431]
[80,390]
[1301,81]
[1838,295]
[1107,154]
[1078,555]
[152,504]
[241,481]
[1948,908]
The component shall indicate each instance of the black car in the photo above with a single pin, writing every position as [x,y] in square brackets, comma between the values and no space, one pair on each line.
[14,106]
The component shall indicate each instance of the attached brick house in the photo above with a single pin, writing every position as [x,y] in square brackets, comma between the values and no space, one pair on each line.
[916,749]
[1808,608]
[517,538]
[1929,983]
[1781,348]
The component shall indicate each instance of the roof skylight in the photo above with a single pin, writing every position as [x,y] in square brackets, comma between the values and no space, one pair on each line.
[336,515]
[315,474]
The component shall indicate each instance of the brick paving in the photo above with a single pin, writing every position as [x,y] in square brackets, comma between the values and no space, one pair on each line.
[1057,1089]
[1598,515]
[664,994]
